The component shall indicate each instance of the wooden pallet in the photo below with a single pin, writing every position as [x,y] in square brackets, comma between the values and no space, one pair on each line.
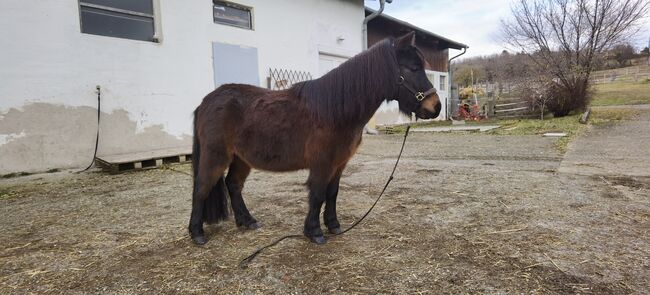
[389,130]
[143,160]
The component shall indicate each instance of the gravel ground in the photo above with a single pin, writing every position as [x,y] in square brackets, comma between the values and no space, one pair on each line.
[466,213]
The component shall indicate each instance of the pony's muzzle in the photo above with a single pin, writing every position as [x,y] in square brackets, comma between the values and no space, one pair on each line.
[430,107]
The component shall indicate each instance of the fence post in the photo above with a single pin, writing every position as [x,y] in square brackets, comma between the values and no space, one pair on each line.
[490,107]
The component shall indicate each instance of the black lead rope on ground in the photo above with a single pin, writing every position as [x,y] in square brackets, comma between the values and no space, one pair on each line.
[244,262]
[99,95]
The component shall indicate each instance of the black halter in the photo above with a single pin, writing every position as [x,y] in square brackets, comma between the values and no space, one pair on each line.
[419,95]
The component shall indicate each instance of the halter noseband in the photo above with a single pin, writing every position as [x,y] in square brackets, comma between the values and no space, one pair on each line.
[419,95]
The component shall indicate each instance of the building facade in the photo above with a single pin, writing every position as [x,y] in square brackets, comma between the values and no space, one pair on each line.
[153,60]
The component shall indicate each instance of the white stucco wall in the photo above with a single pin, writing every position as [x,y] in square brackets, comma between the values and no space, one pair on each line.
[48,64]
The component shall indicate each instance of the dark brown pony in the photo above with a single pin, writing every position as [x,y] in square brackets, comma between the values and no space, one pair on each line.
[315,125]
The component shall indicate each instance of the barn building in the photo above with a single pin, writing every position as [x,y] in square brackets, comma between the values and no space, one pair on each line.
[436,51]
[153,61]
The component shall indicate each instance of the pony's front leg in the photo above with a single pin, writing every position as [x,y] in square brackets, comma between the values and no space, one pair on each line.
[329,217]
[317,195]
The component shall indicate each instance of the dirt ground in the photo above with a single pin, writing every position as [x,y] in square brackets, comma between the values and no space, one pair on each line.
[466,213]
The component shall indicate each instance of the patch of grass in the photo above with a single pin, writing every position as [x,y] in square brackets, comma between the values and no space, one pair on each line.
[16,174]
[400,129]
[431,123]
[621,93]
[19,174]
[6,194]
[607,116]
[567,124]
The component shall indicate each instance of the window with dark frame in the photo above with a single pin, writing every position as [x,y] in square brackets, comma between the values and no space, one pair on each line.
[443,83]
[129,19]
[232,14]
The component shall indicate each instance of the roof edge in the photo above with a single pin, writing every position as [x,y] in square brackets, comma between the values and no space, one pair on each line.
[457,46]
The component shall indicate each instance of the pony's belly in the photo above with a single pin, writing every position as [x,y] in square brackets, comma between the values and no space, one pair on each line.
[271,151]
[272,164]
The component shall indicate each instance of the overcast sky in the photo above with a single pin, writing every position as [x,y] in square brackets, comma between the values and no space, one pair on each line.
[472,22]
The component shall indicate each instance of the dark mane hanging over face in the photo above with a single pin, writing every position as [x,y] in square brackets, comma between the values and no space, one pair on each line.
[353,91]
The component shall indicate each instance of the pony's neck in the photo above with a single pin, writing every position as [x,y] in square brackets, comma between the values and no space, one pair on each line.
[351,93]
[379,80]
[373,106]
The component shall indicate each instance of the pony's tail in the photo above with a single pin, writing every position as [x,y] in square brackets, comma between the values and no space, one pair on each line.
[215,206]
[196,152]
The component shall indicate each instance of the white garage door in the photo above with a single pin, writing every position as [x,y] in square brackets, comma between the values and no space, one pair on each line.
[327,62]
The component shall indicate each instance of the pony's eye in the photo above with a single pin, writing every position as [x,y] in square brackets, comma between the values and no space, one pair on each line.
[414,68]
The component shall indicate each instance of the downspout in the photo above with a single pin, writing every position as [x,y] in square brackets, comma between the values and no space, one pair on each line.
[451,81]
[368,18]
[370,127]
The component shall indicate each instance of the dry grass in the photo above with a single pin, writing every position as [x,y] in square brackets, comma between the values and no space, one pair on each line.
[508,227]
[517,127]
[621,93]
[608,116]
[399,129]
[569,125]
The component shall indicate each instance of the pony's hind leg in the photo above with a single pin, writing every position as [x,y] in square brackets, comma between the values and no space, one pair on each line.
[237,174]
[209,202]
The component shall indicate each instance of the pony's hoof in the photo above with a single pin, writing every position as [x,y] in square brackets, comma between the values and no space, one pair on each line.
[199,240]
[254,226]
[319,240]
[335,231]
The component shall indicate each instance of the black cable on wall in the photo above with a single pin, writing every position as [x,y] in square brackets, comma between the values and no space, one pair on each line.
[99,96]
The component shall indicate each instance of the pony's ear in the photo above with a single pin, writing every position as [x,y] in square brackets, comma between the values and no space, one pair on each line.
[406,41]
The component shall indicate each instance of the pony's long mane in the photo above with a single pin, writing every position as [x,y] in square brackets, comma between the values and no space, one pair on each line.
[355,89]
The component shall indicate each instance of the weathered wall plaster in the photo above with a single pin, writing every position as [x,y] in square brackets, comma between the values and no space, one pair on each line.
[57,136]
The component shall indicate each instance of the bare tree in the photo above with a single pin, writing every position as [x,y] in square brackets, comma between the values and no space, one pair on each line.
[564,37]
[622,54]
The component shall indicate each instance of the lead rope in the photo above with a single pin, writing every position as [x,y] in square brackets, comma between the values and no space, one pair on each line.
[244,262]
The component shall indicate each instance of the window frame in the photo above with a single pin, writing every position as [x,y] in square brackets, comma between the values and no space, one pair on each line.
[440,80]
[236,6]
[155,19]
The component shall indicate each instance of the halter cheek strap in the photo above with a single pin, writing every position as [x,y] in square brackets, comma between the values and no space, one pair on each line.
[419,95]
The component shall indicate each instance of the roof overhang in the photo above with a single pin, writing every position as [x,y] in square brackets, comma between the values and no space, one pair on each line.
[446,43]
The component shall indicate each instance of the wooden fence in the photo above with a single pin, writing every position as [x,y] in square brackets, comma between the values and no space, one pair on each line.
[628,74]
[511,108]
